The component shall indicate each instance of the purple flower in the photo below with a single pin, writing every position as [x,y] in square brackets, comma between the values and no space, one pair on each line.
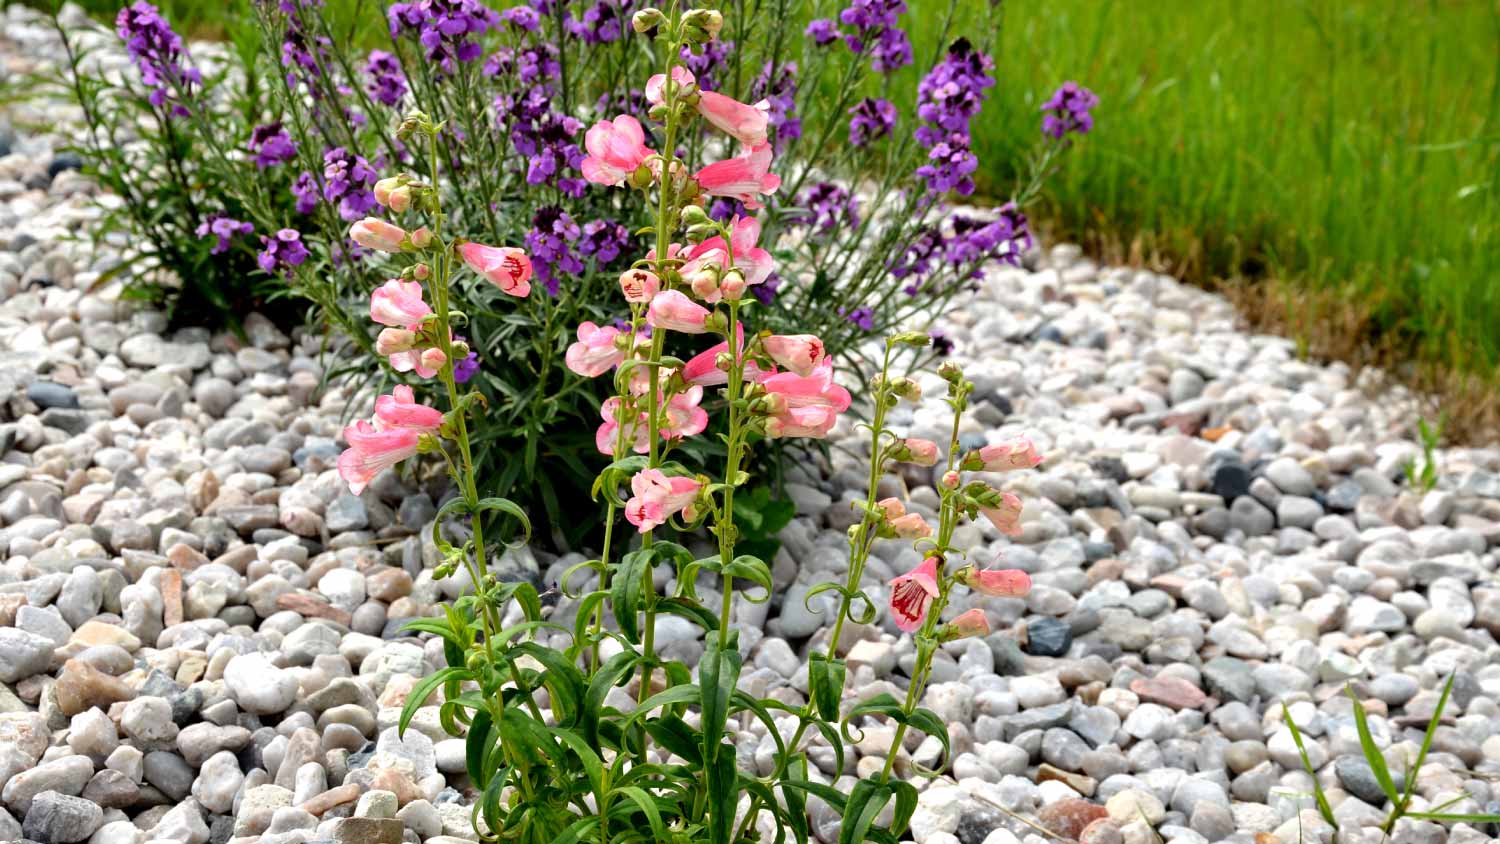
[605,240]
[349,181]
[871,119]
[158,55]
[523,18]
[781,94]
[766,290]
[704,64]
[953,92]
[464,370]
[828,207]
[602,23]
[941,345]
[918,257]
[861,316]
[724,209]
[306,192]
[530,65]
[875,25]
[549,242]
[1068,111]
[822,32]
[444,28]
[271,145]
[223,227]
[950,166]
[297,54]
[386,83]
[282,252]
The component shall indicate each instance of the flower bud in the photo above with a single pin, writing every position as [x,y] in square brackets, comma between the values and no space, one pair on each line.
[421,238]
[399,199]
[646,20]
[911,338]
[421,271]
[642,176]
[433,358]
[916,451]
[971,624]
[705,285]
[460,349]
[891,507]
[694,215]
[950,480]
[724,361]
[911,526]
[950,371]
[390,341]
[383,190]
[907,389]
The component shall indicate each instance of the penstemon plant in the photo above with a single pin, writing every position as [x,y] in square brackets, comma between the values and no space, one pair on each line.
[608,739]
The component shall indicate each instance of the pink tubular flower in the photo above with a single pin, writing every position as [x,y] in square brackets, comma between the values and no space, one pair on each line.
[657,497]
[918,452]
[372,451]
[375,233]
[639,285]
[805,406]
[713,253]
[636,434]
[892,507]
[996,583]
[1007,516]
[506,267]
[911,526]
[912,594]
[745,123]
[682,417]
[596,351]
[681,75]
[401,410]
[673,310]
[970,624]
[801,353]
[392,341]
[743,177]
[398,304]
[616,149]
[1019,453]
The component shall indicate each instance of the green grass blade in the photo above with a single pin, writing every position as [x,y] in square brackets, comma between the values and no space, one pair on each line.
[1437,718]
[1322,799]
[1372,753]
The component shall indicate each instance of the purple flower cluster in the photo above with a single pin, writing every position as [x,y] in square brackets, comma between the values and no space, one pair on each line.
[871,119]
[947,99]
[386,83]
[704,64]
[822,31]
[918,258]
[348,180]
[875,26]
[305,189]
[271,145]
[1006,238]
[605,240]
[766,290]
[862,316]
[550,243]
[828,208]
[444,28]
[531,65]
[223,227]
[158,55]
[602,23]
[297,50]
[523,18]
[725,209]
[548,143]
[781,94]
[282,252]
[1068,111]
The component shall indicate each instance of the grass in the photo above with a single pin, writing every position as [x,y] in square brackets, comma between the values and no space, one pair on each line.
[1336,162]
[1332,164]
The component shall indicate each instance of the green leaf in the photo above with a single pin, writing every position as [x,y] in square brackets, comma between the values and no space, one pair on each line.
[627,589]
[562,678]
[674,734]
[795,799]
[836,741]
[648,808]
[509,508]
[476,747]
[928,722]
[1322,799]
[611,673]
[866,800]
[718,675]
[906,806]
[425,687]
[1446,817]
[1372,753]
[826,679]
[723,792]
[691,610]
[754,570]
[827,793]
[593,766]
[1432,725]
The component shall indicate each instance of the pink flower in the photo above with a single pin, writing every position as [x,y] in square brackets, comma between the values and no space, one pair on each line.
[431,360]
[673,310]
[743,177]
[1016,454]
[804,406]
[891,507]
[411,361]
[596,351]
[911,526]
[996,583]
[800,353]
[506,267]
[918,451]
[616,149]
[912,594]
[681,75]
[372,451]
[392,341]
[746,123]
[635,435]
[712,254]
[398,304]
[1007,516]
[639,285]
[969,624]
[657,497]
[374,233]
[401,410]
[681,417]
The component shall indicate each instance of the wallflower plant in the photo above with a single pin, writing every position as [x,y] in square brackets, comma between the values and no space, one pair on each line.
[609,739]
